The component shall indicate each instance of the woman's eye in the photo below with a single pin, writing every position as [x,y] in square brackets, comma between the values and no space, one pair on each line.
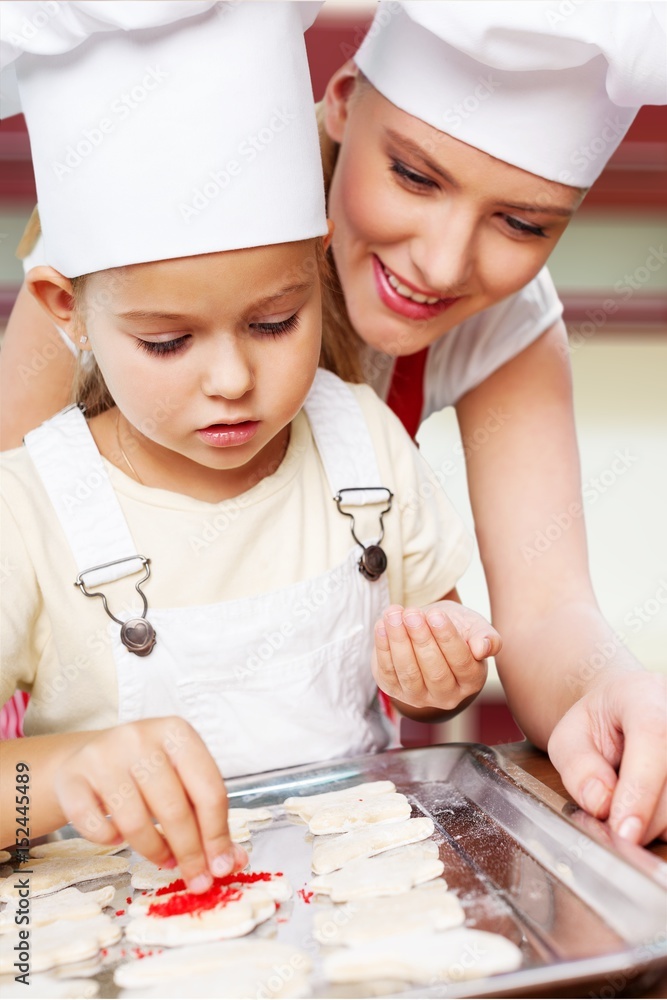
[276,329]
[163,346]
[522,227]
[410,176]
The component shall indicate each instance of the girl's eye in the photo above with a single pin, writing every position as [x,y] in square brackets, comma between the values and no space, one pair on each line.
[276,329]
[410,176]
[163,346]
[522,227]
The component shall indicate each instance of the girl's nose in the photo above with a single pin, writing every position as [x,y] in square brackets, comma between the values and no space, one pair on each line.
[229,372]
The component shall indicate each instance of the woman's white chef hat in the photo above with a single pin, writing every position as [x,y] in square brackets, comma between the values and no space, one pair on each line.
[551,87]
[165,129]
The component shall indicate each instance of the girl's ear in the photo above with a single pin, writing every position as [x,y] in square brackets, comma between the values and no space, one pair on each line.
[54,293]
[337,98]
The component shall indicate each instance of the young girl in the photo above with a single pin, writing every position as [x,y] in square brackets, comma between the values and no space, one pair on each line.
[233,519]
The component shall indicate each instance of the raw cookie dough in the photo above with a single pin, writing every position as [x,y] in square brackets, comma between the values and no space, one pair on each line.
[353,815]
[331,854]
[234,919]
[425,957]
[277,887]
[5,856]
[262,955]
[53,874]
[237,982]
[430,907]
[68,904]
[61,943]
[46,987]
[245,816]
[75,847]
[386,874]
[306,806]
[146,875]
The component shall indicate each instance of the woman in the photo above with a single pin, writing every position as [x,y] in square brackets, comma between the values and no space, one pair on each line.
[451,180]
[436,234]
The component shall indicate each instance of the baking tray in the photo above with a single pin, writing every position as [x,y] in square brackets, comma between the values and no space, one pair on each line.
[581,905]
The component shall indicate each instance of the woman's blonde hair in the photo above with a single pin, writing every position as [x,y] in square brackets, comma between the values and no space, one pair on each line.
[341,344]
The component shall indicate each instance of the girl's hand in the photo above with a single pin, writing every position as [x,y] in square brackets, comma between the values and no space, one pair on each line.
[122,779]
[435,657]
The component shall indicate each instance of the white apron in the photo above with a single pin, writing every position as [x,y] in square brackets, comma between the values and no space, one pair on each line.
[271,681]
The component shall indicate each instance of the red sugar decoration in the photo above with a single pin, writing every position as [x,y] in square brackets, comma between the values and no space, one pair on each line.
[119,913]
[244,878]
[128,900]
[195,903]
[306,896]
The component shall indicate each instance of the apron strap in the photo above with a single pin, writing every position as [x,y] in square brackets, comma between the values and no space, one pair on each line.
[406,391]
[343,440]
[73,474]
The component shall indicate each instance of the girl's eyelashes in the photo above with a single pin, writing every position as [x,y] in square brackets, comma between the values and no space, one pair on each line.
[409,176]
[163,346]
[523,227]
[276,329]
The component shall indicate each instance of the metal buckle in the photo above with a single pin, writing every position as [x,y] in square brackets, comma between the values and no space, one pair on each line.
[373,560]
[137,634]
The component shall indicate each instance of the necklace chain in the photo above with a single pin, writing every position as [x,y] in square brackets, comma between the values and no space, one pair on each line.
[122,451]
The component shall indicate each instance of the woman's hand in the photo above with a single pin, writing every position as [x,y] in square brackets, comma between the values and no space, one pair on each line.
[619,724]
[433,658]
[120,780]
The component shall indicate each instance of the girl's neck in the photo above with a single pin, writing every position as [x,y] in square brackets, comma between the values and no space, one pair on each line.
[154,465]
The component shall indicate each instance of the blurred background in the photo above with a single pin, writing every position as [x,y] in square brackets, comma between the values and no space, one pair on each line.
[611,271]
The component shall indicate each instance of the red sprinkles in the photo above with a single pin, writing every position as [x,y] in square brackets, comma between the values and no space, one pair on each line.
[306,896]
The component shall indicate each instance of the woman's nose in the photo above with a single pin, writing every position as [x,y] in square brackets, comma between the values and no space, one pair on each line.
[229,372]
[444,252]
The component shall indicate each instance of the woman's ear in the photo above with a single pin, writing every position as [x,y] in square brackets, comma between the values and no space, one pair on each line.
[53,291]
[337,98]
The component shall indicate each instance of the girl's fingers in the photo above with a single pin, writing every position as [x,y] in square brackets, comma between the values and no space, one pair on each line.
[84,811]
[383,666]
[455,650]
[403,656]
[125,803]
[206,791]
[438,678]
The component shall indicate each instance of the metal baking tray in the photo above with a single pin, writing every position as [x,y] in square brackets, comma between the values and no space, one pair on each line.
[581,905]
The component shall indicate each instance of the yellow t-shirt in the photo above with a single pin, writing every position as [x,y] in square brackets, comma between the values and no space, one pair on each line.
[55,641]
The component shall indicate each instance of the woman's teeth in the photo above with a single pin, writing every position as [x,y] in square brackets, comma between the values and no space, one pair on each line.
[407,293]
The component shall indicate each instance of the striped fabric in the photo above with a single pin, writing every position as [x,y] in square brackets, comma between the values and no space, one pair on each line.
[12,714]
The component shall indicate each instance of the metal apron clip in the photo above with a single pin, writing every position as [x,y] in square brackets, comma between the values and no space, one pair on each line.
[373,560]
[137,634]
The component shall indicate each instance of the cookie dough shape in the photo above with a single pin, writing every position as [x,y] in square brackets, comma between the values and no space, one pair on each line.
[58,873]
[235,919]
[5,856]
[147,876]
[234,983]
[332,854]
[46,987]
[260,954]
[61,943]
[245,816]
[354,815]
[430,907]
[425,957]
[278,888]
[75,847]
[387,874]
[68,904]
[306,806]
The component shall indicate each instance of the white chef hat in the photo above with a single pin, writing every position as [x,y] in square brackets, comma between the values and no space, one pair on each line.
[551,87]
[166,129]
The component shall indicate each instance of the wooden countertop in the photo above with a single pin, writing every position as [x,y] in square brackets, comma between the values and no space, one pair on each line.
[537,764]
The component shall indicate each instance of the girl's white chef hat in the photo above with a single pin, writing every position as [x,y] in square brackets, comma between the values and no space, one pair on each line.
[165,129]
[551,87]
